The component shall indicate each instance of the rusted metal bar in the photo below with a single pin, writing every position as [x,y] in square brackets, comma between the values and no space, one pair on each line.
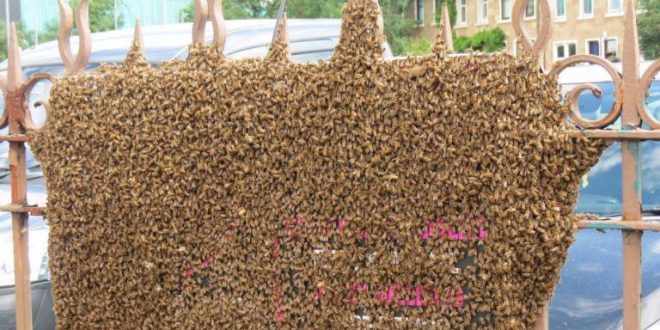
[35,211]
[624,135]
[543,322]
[18,177]
[636,225]
[14,138]
[632,175]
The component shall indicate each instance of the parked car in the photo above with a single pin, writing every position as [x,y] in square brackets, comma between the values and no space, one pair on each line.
[310,40]
[589,295]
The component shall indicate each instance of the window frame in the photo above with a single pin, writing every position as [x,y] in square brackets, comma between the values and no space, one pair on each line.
[566,44]
[584,15]
[417,18]
[461,21]
[535,4]
[500,17]
[615,12]
[587,49]
[560,18]
[480,12]
[604,45]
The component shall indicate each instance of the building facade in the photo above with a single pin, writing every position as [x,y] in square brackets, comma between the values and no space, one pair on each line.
[579,26]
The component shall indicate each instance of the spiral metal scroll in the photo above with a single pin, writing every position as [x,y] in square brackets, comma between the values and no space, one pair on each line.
[26,91]
[573,96]
[77,65]
[644,85]
[17,92]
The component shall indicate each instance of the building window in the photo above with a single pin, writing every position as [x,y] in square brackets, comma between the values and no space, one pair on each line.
[586,8]
[437,11]
[419,12]
[561,9]
[593,47]
[505,10]
[482,11]
[461,12]
[530,12]
[564,49]
[612,49]
[614,6]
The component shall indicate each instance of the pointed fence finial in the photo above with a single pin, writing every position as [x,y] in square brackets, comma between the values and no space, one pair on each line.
[136,55]
[77,65]
[218,21]
[630,66]
[381,21]
[199,22]
[279,47]
[444,41]
[138,39]
[14,68]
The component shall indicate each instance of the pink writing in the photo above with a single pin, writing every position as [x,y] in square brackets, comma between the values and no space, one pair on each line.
[474,230]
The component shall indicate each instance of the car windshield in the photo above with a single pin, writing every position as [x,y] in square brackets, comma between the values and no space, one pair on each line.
[600,192]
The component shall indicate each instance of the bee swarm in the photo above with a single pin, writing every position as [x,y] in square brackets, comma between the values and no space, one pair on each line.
[255,194]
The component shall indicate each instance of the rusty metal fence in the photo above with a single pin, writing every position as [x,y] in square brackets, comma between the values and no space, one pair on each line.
[631,90]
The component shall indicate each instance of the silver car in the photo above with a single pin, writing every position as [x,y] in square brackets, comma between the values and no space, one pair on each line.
[310,40]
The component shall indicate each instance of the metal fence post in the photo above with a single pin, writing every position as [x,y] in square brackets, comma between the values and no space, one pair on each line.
[632,176]
[17,168]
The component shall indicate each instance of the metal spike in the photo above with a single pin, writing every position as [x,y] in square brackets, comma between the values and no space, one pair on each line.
[444,34]
[218,21]
[14,68]
[138,38]
[279,47]
[281,15]
[381,21]
[199,22]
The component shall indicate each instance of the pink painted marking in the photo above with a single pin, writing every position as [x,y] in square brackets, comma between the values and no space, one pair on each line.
[340,224]
[460,297]
[299,219]
[482,233]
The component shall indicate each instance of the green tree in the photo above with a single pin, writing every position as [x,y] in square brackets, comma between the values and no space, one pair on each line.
[397,27]
[649,28]
[101,18]
[312,8]
[23,39]
[485,41]
[234,9]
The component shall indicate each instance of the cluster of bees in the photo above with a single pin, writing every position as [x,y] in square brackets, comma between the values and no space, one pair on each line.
[250,194]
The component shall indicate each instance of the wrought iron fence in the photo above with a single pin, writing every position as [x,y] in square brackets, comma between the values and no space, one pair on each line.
[631,90]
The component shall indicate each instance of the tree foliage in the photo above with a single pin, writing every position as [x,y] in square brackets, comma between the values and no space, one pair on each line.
[101,18]
[649,28]
[23,39]
[235,9]
[397,27]
[485,41]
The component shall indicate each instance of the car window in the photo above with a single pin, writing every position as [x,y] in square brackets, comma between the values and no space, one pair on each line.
[600,192]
